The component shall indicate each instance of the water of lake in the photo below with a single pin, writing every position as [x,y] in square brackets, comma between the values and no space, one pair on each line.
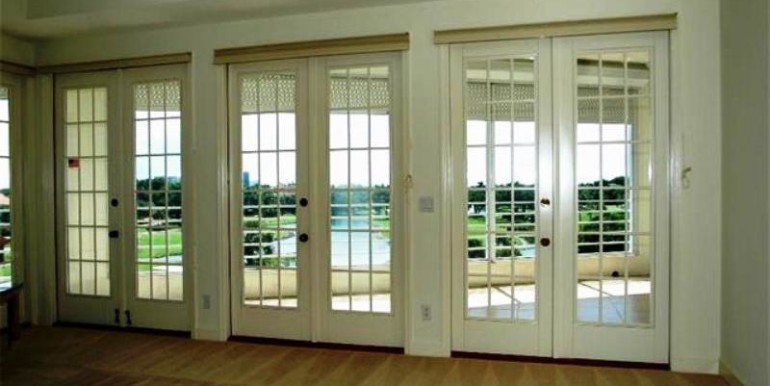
[350,244]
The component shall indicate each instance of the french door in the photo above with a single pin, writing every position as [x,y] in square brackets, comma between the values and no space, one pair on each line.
[561,226]
[121,250]
[316,199]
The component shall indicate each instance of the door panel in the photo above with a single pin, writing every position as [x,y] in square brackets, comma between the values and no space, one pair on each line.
[271,278]
[501,279]
[614,169]
[88,266]
[359,96]
[157,292]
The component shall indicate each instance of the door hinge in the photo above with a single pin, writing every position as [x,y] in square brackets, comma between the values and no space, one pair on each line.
[408,181]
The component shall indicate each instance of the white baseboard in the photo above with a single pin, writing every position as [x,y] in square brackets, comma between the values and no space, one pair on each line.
[428,348]
[206,334]
[727,373]
[695,365]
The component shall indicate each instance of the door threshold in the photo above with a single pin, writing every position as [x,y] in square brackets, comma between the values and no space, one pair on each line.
[139,330]
[319,345]
[562,361]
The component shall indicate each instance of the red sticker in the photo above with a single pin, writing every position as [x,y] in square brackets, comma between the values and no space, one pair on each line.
[74,163]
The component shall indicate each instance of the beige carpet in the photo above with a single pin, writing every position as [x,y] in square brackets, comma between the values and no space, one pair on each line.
[73,356]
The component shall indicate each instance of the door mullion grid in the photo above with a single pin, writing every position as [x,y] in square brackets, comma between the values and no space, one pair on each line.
[601,189]
[80,201]
[278,189]
[258,93]
[93,187]
[512,233]
[491,242]
[150,192]
[165,186]
[349,194]
[369,189]
[629,207]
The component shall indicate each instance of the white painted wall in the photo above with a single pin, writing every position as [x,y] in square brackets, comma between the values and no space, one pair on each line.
[695,131]
[745,190]
[16,50]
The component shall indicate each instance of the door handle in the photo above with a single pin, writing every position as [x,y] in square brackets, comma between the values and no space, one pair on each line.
[114,234]
[303,202]
[545,241]
[304,237]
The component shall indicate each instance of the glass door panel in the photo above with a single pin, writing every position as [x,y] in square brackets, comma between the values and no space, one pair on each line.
[87,181]
[501,180]
[268,151]
[613,173]
[6,192]
[501,144]
[269,182]
[158,262]
[359,101]
[88,281]
[158,191]
[359,183]
[613,169]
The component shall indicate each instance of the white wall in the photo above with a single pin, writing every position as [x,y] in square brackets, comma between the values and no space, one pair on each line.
[696,98]
[745,190]
[16,50]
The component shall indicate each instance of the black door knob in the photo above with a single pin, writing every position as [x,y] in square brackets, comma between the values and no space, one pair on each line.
[114,202]
[114,234]
[303,201]
[545,241]
[304,237]
[545,201]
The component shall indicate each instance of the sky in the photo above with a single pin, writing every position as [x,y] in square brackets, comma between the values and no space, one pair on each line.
[523,166]
[268,133]
[277,132]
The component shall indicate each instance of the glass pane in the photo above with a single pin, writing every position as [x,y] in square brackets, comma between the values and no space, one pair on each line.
[6,250]
[159,257]
[359,178]
[87,181]
[269,178]
[501,179]
[613,170]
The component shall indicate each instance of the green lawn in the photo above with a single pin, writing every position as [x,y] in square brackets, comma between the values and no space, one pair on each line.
[5,269]
[158,243]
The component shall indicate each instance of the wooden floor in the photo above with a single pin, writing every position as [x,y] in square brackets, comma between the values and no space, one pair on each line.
[73,356]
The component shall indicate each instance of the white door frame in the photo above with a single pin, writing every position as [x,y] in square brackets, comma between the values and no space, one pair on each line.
[314,321]
[569,340]
[100,310]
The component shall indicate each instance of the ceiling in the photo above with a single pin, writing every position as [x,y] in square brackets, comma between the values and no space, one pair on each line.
[46,19]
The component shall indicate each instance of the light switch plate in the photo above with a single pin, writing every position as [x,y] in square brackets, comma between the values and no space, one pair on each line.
[426,204]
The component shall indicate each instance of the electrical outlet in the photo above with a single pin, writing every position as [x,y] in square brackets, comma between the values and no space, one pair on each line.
[425,311]
[206,302]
